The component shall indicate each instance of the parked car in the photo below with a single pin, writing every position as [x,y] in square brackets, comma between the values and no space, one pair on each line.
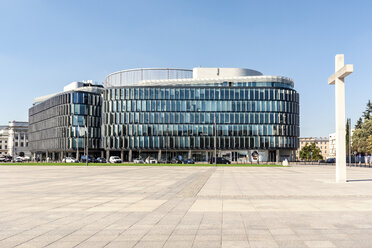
[331,160]
[84,159]
[138,161]
[151,160]
[176,161]
[220,160]
[164,161]
[188,161]
[115,160]
[26,158]
[101,160]
[69,160]
[18,160]
[6,159]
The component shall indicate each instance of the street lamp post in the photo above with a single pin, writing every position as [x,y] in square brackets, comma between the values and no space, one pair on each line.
[215,141]
[349,120]
[87,140]
[166,146]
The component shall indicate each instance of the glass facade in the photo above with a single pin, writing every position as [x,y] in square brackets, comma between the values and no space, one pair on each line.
[247,115]
[54,123]
[132,76]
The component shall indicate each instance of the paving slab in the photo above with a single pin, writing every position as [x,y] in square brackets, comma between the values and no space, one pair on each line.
[150,206]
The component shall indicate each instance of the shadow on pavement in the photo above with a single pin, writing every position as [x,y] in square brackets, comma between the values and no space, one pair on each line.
[359,180]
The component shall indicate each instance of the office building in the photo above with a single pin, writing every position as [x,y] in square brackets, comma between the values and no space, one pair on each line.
[167,113]
[58,121]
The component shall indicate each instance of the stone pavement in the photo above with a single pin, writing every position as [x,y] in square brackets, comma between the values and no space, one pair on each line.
[67,206]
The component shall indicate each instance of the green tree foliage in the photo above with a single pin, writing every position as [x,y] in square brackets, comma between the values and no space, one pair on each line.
[347,136]
[359,123]
[369,144]
[305,153]
[360,137]
[367,114]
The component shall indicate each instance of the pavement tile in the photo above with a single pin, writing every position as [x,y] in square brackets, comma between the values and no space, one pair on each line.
[297,206]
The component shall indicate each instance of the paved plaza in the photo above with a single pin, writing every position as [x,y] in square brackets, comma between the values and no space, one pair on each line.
[124,206]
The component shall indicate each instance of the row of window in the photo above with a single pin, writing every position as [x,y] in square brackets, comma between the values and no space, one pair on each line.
[86,98]
[63,144]
[207,93]
[81,109]
[171,142]
[55,111]
[197,106]
[54,101]
[64,121]
[199,130]
[201,118]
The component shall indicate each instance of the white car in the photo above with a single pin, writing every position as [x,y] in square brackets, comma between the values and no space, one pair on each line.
[138,161]
[150,160]
[26,158]
[69,160]
[115,159]
[18,159]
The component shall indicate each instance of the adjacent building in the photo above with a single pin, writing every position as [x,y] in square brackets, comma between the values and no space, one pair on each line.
[4,134]
[18,139]
[322,143]
[332,143]
[167,113]
[14,139]
[62,124]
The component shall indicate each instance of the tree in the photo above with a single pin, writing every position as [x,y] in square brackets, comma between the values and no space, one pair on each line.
[305,153]
[368,112]
[360,137]
[369,144]
[359,123]
[347,136]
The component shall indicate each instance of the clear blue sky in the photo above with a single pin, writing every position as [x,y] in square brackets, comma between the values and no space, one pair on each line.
[45,45]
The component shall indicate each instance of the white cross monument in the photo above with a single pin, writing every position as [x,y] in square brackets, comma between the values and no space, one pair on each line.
[338,80]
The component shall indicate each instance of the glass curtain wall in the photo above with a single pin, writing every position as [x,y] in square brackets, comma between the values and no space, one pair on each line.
[182,117]
[53,124]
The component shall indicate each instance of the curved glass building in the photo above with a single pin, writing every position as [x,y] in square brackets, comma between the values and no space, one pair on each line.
[57,122]
[179,112]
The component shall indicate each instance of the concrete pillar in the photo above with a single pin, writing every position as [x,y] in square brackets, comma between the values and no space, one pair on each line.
[159,155]
[207,157]
[277,156]
[189,155]
[53,156]
[130,155]
[77,154]
[102,154]
[107,155]
[122,156]
[62,156]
